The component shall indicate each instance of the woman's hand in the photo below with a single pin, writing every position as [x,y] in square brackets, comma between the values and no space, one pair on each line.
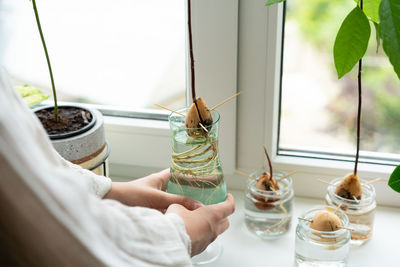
[204,224]
[149,192]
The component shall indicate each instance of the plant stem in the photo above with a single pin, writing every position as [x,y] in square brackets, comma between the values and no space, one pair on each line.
[192,79]
[48,60]
[359,109]
[269,163]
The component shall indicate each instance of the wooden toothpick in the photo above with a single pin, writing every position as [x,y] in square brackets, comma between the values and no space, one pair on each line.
[304,219]
[372,181]
[310,221]
[287,175]
[338,207]
[202,126]
[226,100]
[355,199]
[323,181]
[245,174]
[347,228]
[173,111]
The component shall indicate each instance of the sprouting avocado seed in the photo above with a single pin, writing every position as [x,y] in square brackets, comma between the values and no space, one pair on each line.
[325,221]
[193,121]
[205,112]
[350,187]
[266,182]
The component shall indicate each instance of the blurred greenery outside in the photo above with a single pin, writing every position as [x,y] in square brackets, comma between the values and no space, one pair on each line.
[318,22]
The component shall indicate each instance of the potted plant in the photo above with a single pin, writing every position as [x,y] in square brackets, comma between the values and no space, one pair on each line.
[76,132]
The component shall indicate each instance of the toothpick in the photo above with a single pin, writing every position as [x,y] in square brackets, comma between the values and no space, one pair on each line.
[323,181]
[372,181]
[304,219]
[347,228]
[204,128]
[338,207]
[287,175]
[355,199]
[245,174]
[310,221]
[226,100]
[173,111]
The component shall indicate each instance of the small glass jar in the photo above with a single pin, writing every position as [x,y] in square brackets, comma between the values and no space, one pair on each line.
[268,213]
[319,248]
[361,213]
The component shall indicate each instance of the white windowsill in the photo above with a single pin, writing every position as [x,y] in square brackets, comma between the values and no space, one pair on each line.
[242,248]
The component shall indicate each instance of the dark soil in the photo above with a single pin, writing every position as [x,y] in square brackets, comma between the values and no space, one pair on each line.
[70,119]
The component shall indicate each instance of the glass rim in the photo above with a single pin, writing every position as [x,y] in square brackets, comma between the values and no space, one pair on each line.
[184,110]
[278,194]
[364,201]
[330,234]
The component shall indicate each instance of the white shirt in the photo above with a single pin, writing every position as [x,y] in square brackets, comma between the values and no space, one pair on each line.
[116,234]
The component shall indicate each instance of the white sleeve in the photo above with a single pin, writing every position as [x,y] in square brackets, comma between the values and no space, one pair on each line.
[99,185]
[116,234]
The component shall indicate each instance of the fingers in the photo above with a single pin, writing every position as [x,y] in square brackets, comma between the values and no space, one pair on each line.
[188,203]
[164,176]
[158,180]
[226,208]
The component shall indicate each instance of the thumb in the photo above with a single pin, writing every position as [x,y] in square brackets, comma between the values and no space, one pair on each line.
[188,203]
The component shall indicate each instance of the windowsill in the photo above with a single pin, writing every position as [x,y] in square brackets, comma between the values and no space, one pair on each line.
[242,248]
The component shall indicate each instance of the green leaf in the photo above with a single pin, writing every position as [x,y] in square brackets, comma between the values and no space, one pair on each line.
[377,36]
[371,8]
[273,2]
[389,14]
[394,181]
[31,95]
[351,41]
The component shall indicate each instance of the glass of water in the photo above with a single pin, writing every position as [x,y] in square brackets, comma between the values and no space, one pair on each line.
[319,248]
[268,213]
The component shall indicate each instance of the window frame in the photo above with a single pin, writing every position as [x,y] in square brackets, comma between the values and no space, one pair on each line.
[264,59]
[249,57]
[147,131]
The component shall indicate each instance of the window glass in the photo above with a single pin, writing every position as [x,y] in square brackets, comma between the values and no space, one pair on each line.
[318,111]
[123,52]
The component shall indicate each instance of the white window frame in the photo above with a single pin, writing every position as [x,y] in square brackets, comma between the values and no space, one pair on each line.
[141,146]
[259,77]
[237,48]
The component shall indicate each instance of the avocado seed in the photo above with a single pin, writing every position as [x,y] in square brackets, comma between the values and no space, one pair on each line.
[326,221]
[193,120]
[350,187]
[266,182]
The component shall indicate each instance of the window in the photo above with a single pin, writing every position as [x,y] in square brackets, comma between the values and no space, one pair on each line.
[122,53]
[139,146]
[259,77]
[318,111]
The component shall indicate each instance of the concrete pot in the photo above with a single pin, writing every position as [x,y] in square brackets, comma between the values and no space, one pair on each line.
[86,147]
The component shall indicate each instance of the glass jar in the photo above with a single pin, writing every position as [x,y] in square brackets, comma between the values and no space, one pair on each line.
[268,213]
[319,248]
[361,213]
[195,166]
[196,170]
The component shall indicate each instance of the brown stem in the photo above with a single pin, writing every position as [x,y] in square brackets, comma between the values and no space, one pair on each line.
[359,109]
[269,163]
[192,78]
